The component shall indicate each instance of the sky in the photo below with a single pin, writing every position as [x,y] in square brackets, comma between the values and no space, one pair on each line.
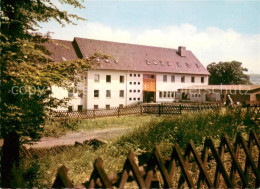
[216,30]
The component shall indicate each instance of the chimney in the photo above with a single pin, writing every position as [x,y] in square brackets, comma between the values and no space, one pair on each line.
[182,51]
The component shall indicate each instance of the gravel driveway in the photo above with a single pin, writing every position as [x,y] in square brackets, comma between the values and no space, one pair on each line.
[71,138]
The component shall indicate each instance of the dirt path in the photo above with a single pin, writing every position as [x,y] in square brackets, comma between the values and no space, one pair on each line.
[71,138]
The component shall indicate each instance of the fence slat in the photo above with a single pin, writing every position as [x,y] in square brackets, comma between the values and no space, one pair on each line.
[145,174]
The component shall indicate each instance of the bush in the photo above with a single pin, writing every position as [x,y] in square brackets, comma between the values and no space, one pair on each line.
[183,128]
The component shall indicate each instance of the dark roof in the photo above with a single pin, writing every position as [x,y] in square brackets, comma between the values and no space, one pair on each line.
[132,57]
[61,49]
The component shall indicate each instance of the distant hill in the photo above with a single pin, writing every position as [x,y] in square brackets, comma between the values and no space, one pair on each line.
[255,78]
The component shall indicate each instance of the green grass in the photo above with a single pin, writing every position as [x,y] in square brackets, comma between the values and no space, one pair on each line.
[64,126]
[147,132]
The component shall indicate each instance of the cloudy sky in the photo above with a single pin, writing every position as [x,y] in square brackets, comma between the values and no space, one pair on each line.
[213,30]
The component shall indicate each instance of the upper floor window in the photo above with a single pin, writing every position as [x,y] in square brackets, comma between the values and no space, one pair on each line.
[192,79]
[70,92]
[122,79]
[108,78]
[183,79]
[96,78]
[121,93]
[80,93]
[164,78]
[173,78]
[96,93]
[108,93]
[202,79]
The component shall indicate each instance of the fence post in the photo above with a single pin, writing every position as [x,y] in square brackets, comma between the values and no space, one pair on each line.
[159,110]
[141,110]
[180,109]
[118,111]
[94,113]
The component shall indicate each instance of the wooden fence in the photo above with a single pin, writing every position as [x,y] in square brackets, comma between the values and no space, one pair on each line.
[157,109]
[228,166]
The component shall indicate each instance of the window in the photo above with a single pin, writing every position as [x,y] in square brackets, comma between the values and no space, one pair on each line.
[121,105]
[108,93]
[95,107]
[134,75]
[130,98]
[134,91]
[172,94]
[169,94]
[96,93]
[130,75]
[70,92]
[192,79]
[80,93]
[96,78]
[160,94]
[107,106]
[80,108]
[121,93]
[138,75]
[70,108]
[138,99]
[138,91]
[183,79]
[202,79]
[108,78]
[130,83]
[164,78]
[172,78]
[130,91]
[134,83]
[138,83]
[164,94]
[122,79]
[134,98]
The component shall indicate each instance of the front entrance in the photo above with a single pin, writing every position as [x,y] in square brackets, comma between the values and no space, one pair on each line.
[149,96]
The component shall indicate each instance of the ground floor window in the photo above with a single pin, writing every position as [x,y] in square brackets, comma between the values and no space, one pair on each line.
[95,107]
[70,108]
[80,108]
[107,106]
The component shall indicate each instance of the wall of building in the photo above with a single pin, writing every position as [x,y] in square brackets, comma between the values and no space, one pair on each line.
[170,86]
[132,87]
[114,86]
[75,100]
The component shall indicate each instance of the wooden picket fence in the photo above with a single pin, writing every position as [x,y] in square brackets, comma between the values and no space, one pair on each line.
[156,109]
[228,166]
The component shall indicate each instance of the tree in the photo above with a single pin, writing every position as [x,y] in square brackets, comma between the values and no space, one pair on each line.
[227,73]
[26,66]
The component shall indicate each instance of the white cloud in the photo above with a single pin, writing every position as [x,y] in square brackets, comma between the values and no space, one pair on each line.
[210,45]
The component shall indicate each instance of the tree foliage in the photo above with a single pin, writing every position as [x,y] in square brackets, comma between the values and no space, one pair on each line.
[27,66]
[227,73]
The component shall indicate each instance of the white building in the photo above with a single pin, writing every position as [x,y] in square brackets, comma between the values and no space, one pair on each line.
[137,74]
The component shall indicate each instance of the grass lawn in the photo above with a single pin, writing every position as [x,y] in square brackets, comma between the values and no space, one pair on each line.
[62,127]
[147,131]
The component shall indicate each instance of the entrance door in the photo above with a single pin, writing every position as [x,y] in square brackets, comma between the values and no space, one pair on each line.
[149,96]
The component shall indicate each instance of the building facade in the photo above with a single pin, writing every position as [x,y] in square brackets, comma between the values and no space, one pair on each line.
[136,74]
